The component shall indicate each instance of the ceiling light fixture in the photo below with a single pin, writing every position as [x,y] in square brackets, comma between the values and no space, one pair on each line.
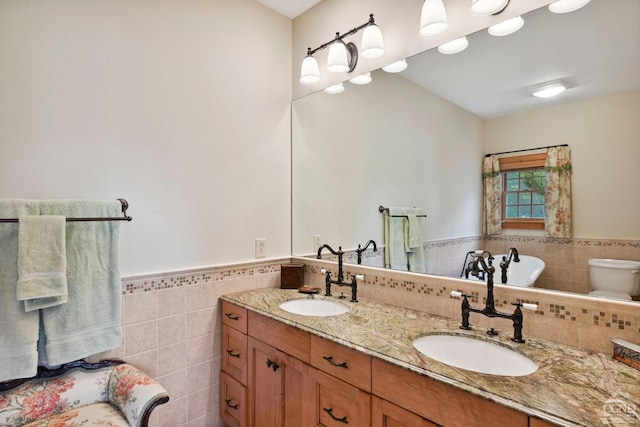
[396,67]
[343,57]
[507,27]
[488,7]
[566,6]
[335,89]
[433,19]
[549,89]
[454,46]
[362,79]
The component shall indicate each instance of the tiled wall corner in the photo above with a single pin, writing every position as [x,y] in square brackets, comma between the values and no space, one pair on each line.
[172,331]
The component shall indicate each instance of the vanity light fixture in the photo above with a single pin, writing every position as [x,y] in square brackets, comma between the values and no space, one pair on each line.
[566,6]
[549,89]
[396,67]
[362,79]
[488,7]
[454,46]
[433,19]
[335,89]
[343,57]
[507,27]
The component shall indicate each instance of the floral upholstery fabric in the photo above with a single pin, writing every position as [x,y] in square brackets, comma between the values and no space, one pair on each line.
[112,396]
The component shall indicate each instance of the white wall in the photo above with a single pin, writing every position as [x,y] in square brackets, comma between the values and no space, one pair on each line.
[179,106]
[388,143]
[604,137]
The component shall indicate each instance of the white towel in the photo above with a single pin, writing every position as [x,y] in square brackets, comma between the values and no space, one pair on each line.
[18,329]
[90,322]
[42,261]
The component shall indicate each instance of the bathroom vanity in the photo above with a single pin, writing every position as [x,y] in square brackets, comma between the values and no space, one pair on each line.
[360,368]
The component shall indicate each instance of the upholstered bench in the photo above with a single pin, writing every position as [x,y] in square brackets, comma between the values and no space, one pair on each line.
[109,393]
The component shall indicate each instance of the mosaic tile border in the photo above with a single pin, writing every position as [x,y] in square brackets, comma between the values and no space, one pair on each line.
[619,243]
[169,280]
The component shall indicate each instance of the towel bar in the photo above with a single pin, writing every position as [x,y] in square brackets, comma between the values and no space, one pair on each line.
[124,217]
[383,209]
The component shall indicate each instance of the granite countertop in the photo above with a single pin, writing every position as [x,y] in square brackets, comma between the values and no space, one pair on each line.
[572,386]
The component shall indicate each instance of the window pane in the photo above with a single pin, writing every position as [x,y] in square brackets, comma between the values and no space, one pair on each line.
[538,198]
[525,198]
[539,173]
[538,183]
[524,212]
[511,212]
[513,185]
[512,199]
[525,183]
[513,175]
[538,211]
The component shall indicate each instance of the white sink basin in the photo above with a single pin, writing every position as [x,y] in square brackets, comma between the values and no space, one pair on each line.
[475,355]
[314,307]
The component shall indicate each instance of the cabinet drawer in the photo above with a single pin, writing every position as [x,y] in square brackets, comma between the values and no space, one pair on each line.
[233,401]
[234,316]
[286,338]
[341,362]
[337,403]
[439,402]
[386,414]
[234,353]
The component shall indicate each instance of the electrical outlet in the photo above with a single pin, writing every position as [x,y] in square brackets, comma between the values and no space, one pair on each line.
[317,242]
[261,248]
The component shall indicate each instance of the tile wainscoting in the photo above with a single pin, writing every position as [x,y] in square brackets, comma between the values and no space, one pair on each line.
[566,259]
[172,331]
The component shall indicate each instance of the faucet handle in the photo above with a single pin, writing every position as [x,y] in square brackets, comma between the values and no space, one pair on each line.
[458,294]
[526,305]
[323,271]
[359,276]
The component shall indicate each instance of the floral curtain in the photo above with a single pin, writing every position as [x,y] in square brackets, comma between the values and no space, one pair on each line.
[557,221]
[492,191]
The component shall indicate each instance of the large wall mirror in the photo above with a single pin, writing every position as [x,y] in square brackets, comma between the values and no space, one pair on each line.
[417,138]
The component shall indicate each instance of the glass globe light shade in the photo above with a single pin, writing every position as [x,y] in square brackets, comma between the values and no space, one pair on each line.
[337,60]
[487,7]
[372,44]
[454,46]
[507,27]
[433,20]
[335,89]
[396,67]
[566,6]
[309,72]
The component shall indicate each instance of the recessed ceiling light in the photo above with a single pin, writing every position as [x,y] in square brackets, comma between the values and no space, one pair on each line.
[362,79]
[335,89]
[454,46]
[566,6]
[396,67]
[507,27]
[548,90]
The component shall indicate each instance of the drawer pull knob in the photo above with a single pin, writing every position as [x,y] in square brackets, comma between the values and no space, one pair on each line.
[232,316]
[228,402]
[330,412]
[339,365]
[232,354]
[273,365]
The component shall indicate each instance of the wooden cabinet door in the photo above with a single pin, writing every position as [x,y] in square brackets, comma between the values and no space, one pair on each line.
[276,387]
[336,403]
[233,401]
[386,414]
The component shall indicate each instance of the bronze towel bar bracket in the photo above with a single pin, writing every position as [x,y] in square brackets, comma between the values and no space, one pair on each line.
[124,217]
[382,209]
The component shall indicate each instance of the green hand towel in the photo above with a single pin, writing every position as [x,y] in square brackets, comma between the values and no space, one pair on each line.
[42,261]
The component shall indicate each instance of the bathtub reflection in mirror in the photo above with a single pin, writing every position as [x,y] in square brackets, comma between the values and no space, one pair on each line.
[402,141]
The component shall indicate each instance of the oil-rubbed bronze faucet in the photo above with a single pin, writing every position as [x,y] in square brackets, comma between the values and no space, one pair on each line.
[506,260]
[490,308]
[340,280]
[360,250]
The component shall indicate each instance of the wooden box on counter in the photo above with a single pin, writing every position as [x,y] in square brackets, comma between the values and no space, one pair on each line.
[291,276]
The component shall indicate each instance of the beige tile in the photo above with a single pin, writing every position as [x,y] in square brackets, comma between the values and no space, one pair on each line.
[175,383]
[200,376]
[173,413]
[140,337]
[200,349]
[171,301]
[199,296]
[200,322]
[204,421]
[140,307]
[199,405]
[171,330]
[172,358]
[146,362]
